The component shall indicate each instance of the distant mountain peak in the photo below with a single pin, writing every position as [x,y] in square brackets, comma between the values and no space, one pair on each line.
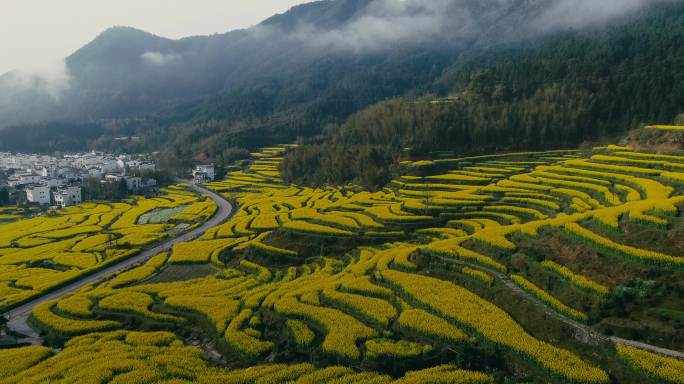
[126,72]
[323,14]
[119,31]
[119,44]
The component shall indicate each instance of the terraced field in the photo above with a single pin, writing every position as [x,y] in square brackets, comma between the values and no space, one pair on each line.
[9,214]
[505,268]
[47,251]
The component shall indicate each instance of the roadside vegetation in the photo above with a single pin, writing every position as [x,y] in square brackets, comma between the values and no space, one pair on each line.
[42,253]
[472,270]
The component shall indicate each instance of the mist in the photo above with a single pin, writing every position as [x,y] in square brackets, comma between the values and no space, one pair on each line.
[385,24]
[51,79]
[216,63]
[577,14]
[159,59]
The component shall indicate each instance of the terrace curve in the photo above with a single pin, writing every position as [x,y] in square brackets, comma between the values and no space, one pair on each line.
[18,316]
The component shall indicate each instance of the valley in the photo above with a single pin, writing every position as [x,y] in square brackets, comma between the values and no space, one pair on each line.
[342,191]
[463,268]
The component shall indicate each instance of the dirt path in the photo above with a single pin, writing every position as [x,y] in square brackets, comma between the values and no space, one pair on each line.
[583,332]
[18,316]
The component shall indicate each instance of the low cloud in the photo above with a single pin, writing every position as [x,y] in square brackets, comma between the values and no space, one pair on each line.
[51,79]
[385,23]
[576,14]
[388,23]
[159,59]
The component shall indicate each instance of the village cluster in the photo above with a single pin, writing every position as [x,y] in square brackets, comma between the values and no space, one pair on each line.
[58,181]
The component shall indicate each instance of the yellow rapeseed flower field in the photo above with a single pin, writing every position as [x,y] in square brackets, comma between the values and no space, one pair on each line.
[340,275]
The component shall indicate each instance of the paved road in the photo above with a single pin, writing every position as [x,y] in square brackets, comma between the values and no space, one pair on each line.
[19,315]
[584,333]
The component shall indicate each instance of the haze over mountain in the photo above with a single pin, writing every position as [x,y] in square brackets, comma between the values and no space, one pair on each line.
[126,72]
[379,191]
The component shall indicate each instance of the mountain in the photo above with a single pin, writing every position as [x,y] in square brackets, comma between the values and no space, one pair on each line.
[588,86]
[126,72]
[292,75]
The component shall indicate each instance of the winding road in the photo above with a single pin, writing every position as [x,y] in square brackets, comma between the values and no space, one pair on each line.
[583,332]
[18,316]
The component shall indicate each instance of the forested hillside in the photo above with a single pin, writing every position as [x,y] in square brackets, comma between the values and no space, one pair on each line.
[305,72]
[402,192]
[573,88]
[310,52]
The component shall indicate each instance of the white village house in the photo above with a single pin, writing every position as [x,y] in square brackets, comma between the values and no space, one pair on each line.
[67,196]
[39,194]
[204,173]
[133,183]
[50,180]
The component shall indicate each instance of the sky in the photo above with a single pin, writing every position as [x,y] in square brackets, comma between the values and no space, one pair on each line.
[35,35]
[36,32]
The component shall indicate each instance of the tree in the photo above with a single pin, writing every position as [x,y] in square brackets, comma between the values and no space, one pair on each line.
[95,189]
[220,170]
[121,188]
[163,177]
[232,154]
[679,120]
[4,197]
